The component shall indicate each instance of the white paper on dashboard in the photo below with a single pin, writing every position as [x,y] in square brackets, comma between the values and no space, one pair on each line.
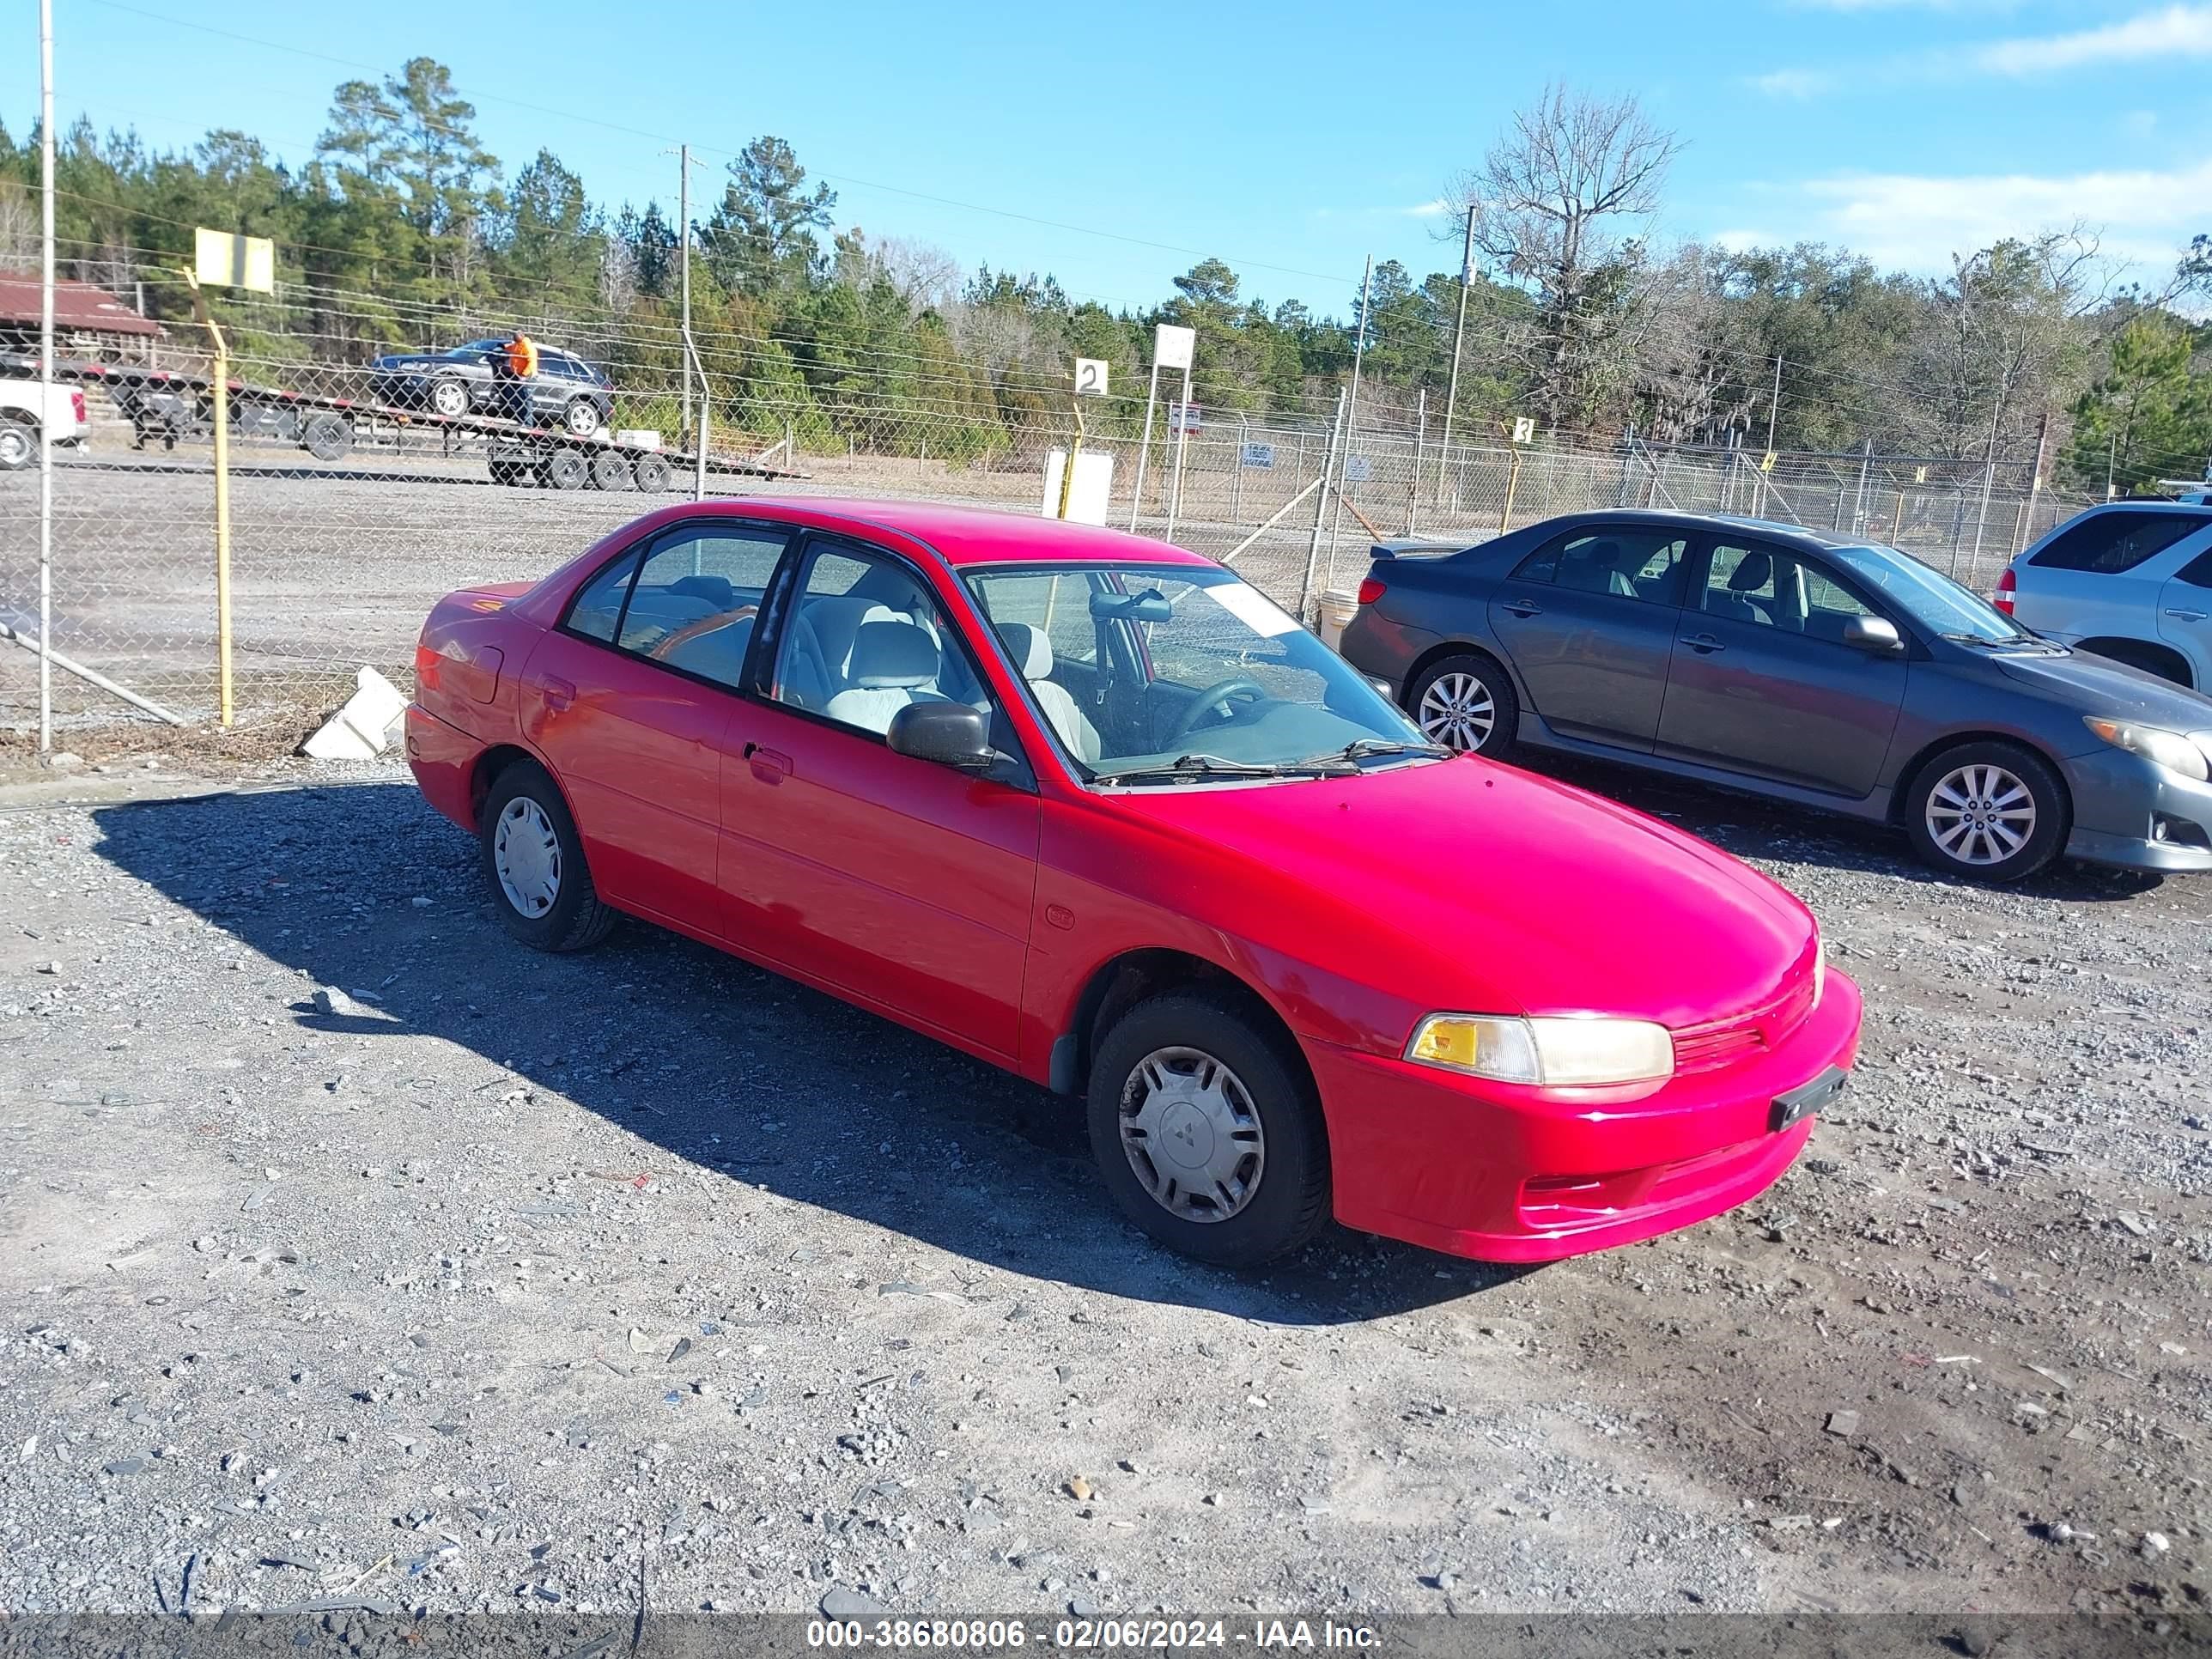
[1251,607]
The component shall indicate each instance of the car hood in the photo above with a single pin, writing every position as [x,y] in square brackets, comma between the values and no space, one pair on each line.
[2097,685]
[1467,886]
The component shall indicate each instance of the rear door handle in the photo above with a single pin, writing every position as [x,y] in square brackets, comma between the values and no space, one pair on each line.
[559,694]
[770,765]
[2186,616]
[1703,644]
[1523,608]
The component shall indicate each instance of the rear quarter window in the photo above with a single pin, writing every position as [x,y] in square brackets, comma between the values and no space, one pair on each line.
[2107,544]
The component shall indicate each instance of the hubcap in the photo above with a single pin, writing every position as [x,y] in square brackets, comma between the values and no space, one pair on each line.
[525,853]
[583,418]
[448,398]
[1980,815]
[1192,1134]
[1458,711]
[14,447]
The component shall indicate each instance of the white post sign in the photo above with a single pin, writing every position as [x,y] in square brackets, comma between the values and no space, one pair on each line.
[1175,348]
[1524,430]
[1089,377]
[1172,348]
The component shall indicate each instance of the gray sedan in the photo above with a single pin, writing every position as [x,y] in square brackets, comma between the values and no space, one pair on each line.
[1831,673]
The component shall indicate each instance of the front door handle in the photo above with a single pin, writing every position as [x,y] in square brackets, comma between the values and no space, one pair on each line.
[770,765]
[1703,644]
[1523,608]
[559,695]
[2186,616]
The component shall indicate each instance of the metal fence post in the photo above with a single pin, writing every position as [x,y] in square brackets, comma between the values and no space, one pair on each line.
[1320,510]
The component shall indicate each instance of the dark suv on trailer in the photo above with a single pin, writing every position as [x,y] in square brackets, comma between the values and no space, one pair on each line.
[567,391]
[1831,673]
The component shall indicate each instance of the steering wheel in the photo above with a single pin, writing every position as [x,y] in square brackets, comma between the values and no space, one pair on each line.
[1215,697]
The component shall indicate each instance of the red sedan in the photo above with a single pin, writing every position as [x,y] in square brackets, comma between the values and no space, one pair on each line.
[1094,809]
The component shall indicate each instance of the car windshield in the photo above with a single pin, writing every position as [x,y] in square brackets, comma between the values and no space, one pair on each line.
[1166,674]
[1929,596]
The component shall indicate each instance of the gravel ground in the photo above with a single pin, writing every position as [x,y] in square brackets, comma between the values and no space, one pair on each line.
[350,1249]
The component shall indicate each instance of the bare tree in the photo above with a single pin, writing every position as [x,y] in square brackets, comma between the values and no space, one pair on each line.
[1562,205]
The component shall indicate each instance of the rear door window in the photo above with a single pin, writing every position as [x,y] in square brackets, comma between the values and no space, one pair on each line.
[1628,561]
[2106,543]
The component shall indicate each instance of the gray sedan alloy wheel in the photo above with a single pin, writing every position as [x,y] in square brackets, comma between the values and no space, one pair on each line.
[1192,1134]
[1457,711]
[1980,814]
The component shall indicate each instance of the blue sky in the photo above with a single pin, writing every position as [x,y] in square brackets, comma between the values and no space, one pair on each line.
[1292,139]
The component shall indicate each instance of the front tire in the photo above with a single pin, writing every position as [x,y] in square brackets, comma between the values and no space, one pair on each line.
[1988,811]
[19,446]
[449,397]
[534,861]
[1466,703]
[1207,1133]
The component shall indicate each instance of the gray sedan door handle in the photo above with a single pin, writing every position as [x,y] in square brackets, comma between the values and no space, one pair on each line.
[1703,644]
[2186,616]
[1523,608]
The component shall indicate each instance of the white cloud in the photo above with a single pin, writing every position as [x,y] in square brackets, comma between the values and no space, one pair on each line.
[2177,31]
[1435,208]
[1791,82]
[1917,221]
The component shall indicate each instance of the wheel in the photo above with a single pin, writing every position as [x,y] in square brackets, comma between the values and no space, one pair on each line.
[566,469]
[1208,1133]
[582,416]
[610,471]
[449,397]
[1466,703]
[19,446]
[327,436]
[1989,811]
[652,474]
[535,862]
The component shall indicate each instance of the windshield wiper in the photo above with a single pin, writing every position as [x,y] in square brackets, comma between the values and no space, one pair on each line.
[1361,748]
[1191,768]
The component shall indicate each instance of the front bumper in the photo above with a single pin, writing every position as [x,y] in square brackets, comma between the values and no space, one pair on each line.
[1501,1173]
[2134,813]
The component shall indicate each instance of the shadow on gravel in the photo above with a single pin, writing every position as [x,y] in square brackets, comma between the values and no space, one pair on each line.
[733,1070]
[1753,828]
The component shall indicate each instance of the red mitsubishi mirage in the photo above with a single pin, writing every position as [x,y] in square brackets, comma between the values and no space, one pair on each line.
[1094,809]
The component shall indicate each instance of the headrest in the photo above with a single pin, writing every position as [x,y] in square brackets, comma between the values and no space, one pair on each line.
[1604,554]
[715,590]
[1030,647]
[889,655]
[1756,571]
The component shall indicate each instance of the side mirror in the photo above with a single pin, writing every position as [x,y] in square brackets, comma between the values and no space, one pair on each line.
[1875,635]
[1382,686]
[950,733]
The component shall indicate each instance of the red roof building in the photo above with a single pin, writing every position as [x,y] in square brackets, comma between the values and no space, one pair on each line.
[89,320]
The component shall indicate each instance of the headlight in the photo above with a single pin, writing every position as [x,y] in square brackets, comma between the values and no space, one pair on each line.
[1545,1051]
[2168,749]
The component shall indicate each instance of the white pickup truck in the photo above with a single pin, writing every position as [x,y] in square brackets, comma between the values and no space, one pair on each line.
[23,411]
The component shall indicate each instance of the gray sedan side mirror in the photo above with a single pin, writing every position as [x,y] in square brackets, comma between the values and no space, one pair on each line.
[1875,635]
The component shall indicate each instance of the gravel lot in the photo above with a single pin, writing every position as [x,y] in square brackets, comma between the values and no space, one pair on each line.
[351,1247]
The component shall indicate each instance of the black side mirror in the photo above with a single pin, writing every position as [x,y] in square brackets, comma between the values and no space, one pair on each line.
[1875,635]
[948,733]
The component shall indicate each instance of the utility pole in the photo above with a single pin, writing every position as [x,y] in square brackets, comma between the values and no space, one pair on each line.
[1989,475]
[46,375]
[1459,336]
[684,268]
[1774,403]
[1351,409]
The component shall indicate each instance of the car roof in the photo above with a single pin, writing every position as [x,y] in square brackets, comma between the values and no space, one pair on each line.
[970,535]
[1661,518]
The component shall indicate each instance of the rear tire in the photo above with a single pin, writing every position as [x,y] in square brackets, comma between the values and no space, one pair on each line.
[19,445]
[610,471]
[1988,811]
[581,417]
[1241,1120]
[534,860]
[1466,702]
[652,473]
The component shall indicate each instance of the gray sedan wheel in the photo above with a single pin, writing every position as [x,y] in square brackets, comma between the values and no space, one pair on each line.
[449,397]
[1989,811]
[1465,703]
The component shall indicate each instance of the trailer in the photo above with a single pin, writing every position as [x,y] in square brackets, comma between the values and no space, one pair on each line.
[165,405]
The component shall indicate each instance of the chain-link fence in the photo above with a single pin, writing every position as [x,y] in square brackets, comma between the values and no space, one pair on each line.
[358,496]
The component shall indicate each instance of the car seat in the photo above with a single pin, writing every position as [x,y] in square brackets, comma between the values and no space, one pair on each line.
[1756,570]
[893,663]
[1031,650]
